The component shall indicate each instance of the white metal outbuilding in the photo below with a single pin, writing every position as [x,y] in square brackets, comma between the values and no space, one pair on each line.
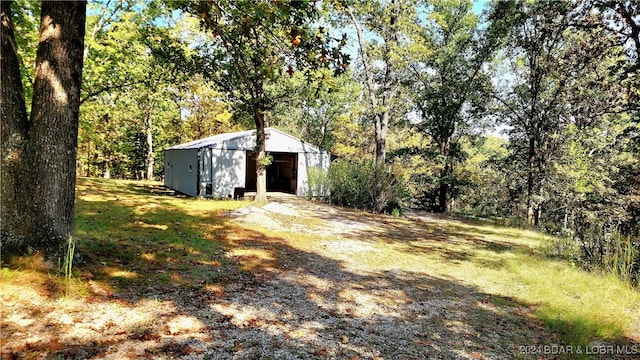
[218,165]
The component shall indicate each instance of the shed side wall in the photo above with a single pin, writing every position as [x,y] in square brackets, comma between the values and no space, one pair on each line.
[181,170]
[307,161]
[229,170]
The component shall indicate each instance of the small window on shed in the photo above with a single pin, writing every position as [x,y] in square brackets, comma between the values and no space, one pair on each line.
[190,167]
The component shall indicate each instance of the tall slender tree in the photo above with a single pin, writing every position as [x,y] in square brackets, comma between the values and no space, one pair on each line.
[379,26]
[449,80]
[549,55]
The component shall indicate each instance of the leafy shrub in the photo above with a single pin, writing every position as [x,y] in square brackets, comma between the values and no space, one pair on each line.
[605,247]
[622,258]
[317,183]
[353,184]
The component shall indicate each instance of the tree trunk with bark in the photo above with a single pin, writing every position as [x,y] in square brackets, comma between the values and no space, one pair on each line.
[445,175]
[47,174]
[107,147]
[13,135]
[261,159]
[530,182]
[381,108]
[150,160]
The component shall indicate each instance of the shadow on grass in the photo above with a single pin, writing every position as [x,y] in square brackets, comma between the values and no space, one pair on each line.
[249,295]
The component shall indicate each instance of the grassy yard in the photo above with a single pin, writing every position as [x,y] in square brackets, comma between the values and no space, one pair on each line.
[171,277]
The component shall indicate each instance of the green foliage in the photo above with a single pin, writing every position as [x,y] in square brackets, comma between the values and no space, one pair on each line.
[250,45]
[485,191]
[605,247]
[622,257]
[317,106]
[352,184]
[68,262]
[267,160]
[318,183]
[135,103]
[206,113]
[449,85]
[26,22]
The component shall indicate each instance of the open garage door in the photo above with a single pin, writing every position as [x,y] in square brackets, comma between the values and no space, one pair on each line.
[282,174]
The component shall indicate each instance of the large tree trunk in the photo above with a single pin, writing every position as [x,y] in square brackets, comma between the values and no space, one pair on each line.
[13,134]
[443,191]
[261,168]
[50,154]
[445,174]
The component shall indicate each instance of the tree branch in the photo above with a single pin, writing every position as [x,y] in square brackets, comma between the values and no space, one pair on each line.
[108,88]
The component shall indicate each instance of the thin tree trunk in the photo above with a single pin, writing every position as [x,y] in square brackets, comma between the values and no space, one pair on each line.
[373,100]
[89,158]
[530,182]
[382,115]
[150,159]
[538,210]
[261,168]
[382,121]
[13,133]
[107,167]
[53,134]
[107,149]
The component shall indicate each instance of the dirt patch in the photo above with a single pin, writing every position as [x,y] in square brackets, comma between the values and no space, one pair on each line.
[298,215]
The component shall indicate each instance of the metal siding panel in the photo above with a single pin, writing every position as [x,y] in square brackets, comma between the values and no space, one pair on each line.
[182,179]
[326,161]
[280,142]
[168,158]
[277,142]
[247,142]
[228,171]
[242,168]
[303,178]
[307,161]
[205,171]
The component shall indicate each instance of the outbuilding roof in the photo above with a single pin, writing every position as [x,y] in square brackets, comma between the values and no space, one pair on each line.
[276,141]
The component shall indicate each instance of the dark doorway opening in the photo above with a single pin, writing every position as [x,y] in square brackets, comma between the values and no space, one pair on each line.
[282,174]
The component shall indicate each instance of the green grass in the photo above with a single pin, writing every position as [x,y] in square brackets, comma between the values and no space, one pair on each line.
[135,236]
[580,306]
